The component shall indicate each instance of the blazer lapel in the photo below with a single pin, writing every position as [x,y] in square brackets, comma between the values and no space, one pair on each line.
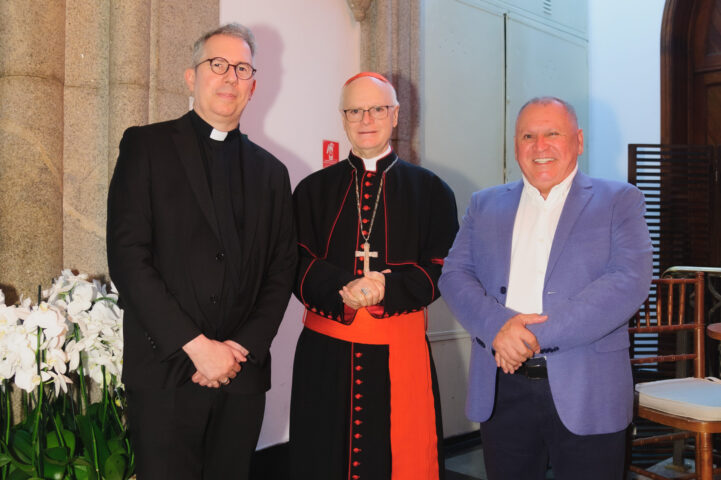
[579,195]
[505,219]
[188,150]
[252,200]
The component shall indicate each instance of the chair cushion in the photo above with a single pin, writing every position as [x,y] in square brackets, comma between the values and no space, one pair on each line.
[697,398]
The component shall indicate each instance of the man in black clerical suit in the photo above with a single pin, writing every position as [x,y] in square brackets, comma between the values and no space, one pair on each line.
[201,246]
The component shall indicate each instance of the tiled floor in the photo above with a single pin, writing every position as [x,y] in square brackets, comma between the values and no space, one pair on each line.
[466,465]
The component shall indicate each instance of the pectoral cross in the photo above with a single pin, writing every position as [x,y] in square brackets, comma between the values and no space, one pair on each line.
[366,254]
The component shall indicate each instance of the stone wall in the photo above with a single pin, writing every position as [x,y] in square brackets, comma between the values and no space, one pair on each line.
[74,75]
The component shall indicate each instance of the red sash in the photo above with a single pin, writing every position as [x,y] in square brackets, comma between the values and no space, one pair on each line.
[414,443]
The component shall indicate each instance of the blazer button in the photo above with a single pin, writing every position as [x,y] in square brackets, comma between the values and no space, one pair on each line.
[220,256]
[503,290]
[213,299]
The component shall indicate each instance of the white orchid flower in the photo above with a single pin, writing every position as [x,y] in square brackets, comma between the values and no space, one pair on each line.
[82,296]
[49,319]
[28,379]
[60,382]
[56,359]
[8,316]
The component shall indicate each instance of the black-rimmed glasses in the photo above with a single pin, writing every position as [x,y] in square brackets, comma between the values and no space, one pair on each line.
[219,65]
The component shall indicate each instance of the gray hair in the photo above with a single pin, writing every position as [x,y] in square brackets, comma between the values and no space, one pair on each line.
[546,101]
[231,29]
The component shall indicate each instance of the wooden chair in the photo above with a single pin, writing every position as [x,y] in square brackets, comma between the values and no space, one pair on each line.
[669,310]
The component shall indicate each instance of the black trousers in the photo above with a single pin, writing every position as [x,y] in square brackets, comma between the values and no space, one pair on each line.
[193,432]
[525,433]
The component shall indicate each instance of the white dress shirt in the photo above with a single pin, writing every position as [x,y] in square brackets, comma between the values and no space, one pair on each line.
[533,232]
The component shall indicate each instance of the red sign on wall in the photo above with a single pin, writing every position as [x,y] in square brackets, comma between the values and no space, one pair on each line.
[330,152]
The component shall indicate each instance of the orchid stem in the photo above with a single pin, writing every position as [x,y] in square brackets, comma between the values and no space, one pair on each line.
[37,438]
[81,375]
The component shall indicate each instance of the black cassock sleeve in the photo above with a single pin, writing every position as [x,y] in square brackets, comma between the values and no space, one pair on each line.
[414,285]
[318,280]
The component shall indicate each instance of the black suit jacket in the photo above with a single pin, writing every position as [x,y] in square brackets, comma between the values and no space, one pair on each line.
[165,255]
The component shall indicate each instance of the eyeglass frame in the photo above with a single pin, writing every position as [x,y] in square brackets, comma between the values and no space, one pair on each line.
[364,110]
[235,67]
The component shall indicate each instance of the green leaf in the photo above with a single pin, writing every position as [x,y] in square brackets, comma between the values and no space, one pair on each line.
[21,444]
[84,471]
[53,471]
[4,459]
[18,475]
[116,444]
[20,464]
[58,455]
[52,440]
[115,467]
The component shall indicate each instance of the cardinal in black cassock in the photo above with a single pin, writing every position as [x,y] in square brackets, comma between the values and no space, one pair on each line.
[373,231]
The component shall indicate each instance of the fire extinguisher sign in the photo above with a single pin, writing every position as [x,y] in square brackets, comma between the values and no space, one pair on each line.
[330,153]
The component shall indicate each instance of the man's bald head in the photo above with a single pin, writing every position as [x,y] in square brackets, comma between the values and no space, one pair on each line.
[381,81]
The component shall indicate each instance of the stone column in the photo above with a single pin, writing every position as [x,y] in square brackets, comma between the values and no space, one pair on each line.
[85,172]
[129,70]
[390,44]
[74,74]
[176,25]
[31,144]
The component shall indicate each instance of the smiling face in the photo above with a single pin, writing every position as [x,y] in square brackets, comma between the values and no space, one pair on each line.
[221,99]
[547,144]
[369,137]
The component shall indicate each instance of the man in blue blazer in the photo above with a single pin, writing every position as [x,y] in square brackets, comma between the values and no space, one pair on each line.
[544,274]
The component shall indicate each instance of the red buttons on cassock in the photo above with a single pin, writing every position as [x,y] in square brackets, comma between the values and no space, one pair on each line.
[358,396]
[367,196]
[358,381]
[356,463]
[358,409]
[357,436]
[358,368]
[365,233]
[358,422]
[366,207]
[357,450]
[358,354]
[359,271]
[367,184]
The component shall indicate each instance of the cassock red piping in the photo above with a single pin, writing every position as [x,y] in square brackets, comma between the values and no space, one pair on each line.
[388,262]
[327,245]
[350,414]
[302,282]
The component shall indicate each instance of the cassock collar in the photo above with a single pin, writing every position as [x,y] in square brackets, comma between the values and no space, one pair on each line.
[381,165]
[206,131]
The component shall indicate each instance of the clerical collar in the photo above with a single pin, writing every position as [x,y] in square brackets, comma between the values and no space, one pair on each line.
[207,131]
[372,164]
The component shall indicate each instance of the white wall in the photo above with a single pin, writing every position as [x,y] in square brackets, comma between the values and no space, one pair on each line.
[624,72]
[306,51]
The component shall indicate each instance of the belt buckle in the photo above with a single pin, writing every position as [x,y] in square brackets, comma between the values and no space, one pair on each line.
[534,368]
